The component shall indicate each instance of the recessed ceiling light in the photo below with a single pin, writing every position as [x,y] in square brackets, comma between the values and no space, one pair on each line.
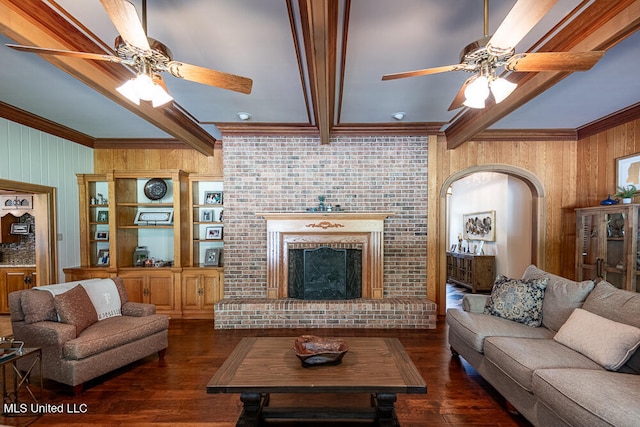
[243,116]
[399,115]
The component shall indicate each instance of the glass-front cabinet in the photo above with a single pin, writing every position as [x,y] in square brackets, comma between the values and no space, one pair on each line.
[607,245]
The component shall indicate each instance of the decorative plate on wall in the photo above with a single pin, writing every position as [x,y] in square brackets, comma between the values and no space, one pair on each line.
[155,188]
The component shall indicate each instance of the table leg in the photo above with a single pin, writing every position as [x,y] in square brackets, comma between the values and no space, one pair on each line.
[385,411]
[251,409]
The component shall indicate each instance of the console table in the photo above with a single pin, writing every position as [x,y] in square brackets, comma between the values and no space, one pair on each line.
[476,272]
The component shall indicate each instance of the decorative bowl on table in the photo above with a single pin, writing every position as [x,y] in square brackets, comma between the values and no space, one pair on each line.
[312,350]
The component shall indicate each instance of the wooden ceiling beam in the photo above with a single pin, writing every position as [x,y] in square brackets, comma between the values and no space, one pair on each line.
[599,27]
[38,24]
[320,29]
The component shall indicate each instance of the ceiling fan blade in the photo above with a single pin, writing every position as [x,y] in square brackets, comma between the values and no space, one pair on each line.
[82,55]
[421,72]
[554,61]
[524,15]
[125,18]
[459,99]
[210,77]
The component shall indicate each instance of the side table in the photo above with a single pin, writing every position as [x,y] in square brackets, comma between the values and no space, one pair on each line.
[19,380]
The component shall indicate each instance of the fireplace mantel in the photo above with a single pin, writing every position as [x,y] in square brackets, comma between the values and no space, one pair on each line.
[325,228]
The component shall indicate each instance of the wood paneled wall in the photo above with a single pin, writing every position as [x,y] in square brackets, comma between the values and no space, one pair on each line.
[596,173]
[554,165]
[187,160]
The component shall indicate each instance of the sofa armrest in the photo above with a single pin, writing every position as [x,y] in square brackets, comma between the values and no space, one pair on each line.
[43,334]
[474,303]
[138,309]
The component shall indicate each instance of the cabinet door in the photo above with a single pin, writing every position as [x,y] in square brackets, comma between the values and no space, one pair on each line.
[160,292]
[590,228]
[191,291]
[135,287]
[15,280]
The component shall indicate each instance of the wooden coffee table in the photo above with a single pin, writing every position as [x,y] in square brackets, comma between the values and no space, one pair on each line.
[259,366]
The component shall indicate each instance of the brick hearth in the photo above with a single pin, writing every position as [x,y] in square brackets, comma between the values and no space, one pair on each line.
[399,313]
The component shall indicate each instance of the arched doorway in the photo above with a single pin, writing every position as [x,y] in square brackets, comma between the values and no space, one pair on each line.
[537,215]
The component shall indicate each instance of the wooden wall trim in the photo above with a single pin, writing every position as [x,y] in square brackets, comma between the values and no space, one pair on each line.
[605,123]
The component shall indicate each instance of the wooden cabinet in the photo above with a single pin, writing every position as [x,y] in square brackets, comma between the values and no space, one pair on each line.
[5,229]
[476,272]
[607,245]
[201,289]
[153,286]
[15,279]
[175,216]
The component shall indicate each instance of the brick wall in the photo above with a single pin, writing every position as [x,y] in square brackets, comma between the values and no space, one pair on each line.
[270,174]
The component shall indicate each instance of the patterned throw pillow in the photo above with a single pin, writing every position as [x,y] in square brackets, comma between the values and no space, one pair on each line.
[75,308]
[517,300]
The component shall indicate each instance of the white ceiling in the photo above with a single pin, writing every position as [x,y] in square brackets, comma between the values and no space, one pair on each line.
[254,38]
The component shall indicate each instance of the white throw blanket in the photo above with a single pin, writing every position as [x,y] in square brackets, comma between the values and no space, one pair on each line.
[103,294]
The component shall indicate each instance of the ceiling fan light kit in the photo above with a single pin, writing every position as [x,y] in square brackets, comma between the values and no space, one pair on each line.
[145,88]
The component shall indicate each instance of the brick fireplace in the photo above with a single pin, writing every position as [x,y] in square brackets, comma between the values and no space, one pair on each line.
[287,174]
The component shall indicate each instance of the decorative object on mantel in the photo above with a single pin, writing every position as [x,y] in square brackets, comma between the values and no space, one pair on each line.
[626,193]
[17,202]
[609,201]
[313,350]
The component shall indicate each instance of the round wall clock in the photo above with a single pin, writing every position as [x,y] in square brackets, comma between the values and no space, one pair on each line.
[155,189]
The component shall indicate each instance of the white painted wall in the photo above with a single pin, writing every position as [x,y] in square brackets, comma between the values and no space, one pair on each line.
[511,200]
[29,155]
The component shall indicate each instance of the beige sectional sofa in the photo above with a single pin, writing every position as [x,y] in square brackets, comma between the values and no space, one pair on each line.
[580,367]
[86,329]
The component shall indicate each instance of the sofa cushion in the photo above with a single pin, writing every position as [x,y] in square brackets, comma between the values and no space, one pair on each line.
[38,306]
[602,340]
[517,300]
[620,306]
[519,358]
[561,296]
[473,328]
[113,332]
[587,397]
[75,308]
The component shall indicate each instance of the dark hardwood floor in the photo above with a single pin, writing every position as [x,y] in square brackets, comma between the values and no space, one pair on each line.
[174,392]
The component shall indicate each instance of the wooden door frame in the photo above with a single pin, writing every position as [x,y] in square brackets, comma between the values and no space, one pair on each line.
[44,206]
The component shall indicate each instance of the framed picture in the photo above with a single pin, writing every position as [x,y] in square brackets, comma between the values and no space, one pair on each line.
[102,235]
[19,228]
[480,226]
[212,257]
[213,233]
[103,257]
[207,215]
[628,171]
[154,217]
[213,197]
[102,215]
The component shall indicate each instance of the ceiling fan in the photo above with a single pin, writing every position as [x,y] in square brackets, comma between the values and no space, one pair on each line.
[483,57]
[148,57]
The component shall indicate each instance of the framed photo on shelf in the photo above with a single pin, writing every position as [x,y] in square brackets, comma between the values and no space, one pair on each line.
[628,171]
[103,257]
[480,226]
[102,216]
[213,233]
[207,215]
[102,235]
[154,217]
[212,257]
[20,228]
[213,197]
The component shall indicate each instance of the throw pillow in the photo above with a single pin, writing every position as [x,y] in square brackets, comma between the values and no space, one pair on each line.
[561,296]
[75,308]
[517,300]
[38,306]
[604,341]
